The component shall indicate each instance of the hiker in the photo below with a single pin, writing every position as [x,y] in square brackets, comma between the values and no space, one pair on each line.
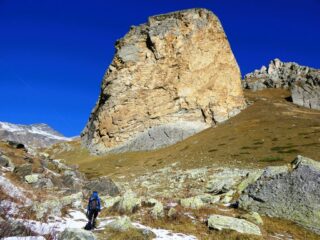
[93,210]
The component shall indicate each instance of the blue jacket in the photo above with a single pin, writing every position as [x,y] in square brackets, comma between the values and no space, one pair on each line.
[94,196]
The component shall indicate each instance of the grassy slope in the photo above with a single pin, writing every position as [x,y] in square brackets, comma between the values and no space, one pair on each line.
[271,131]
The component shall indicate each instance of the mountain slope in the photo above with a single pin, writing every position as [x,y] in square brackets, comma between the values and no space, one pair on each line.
[34,135]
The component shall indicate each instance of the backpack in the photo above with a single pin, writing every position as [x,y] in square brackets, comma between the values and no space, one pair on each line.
[94,204]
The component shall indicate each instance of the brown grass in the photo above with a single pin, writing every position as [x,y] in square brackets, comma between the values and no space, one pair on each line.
[258,132]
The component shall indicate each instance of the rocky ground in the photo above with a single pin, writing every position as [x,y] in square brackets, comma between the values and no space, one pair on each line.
[201,188]
[169,203]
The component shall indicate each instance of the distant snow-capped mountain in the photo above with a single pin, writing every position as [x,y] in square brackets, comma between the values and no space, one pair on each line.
[34,135]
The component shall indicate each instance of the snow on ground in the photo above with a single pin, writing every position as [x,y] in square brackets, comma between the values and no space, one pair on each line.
[13,191]
[10,208]
[77,219]
[23,129]
[162,234]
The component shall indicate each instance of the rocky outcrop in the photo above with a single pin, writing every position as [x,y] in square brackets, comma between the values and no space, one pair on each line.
[279,75]
[170,78]
[34,135]
[304,82]
[289,192]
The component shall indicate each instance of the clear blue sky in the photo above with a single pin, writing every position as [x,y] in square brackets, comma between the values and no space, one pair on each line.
[53,53]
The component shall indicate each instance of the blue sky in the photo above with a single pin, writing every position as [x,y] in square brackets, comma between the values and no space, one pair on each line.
[54,53]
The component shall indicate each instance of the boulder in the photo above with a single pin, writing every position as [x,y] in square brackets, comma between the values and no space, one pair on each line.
[289,192]
[72,182]
[76,234]
[103,185]
[128,203]
[109,202]
[157,210]
[192,202]
[23,170]
[44,183]
[224,180]
[220,222]
[121,224]
[307,93]
[53,207]
[169,79]
[33,178]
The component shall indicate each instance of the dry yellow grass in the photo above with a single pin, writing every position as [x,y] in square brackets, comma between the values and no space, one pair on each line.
[271,131]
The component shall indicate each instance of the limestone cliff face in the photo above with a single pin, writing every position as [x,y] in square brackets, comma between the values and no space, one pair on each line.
[170,78]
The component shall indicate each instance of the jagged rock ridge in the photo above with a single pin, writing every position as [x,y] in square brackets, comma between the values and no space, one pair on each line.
[170,78]
[304,82]
[34,135]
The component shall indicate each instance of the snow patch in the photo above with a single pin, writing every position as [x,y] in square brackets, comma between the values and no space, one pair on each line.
[77,219]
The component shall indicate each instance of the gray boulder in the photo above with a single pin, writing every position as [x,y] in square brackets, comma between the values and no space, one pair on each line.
[103,185]
[220,222]
[53,207]
[192,202]
[121,224]
[307,93]
[76,234]
[291,193]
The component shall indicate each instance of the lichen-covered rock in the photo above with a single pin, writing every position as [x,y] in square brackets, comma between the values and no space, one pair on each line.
[76,234]
[128,203]
[33,178]
[220,222]
[158,210]
[192,202]
[108,201]
[170,78]
[53,207]
[225,180]
[121,224]
[286,192]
